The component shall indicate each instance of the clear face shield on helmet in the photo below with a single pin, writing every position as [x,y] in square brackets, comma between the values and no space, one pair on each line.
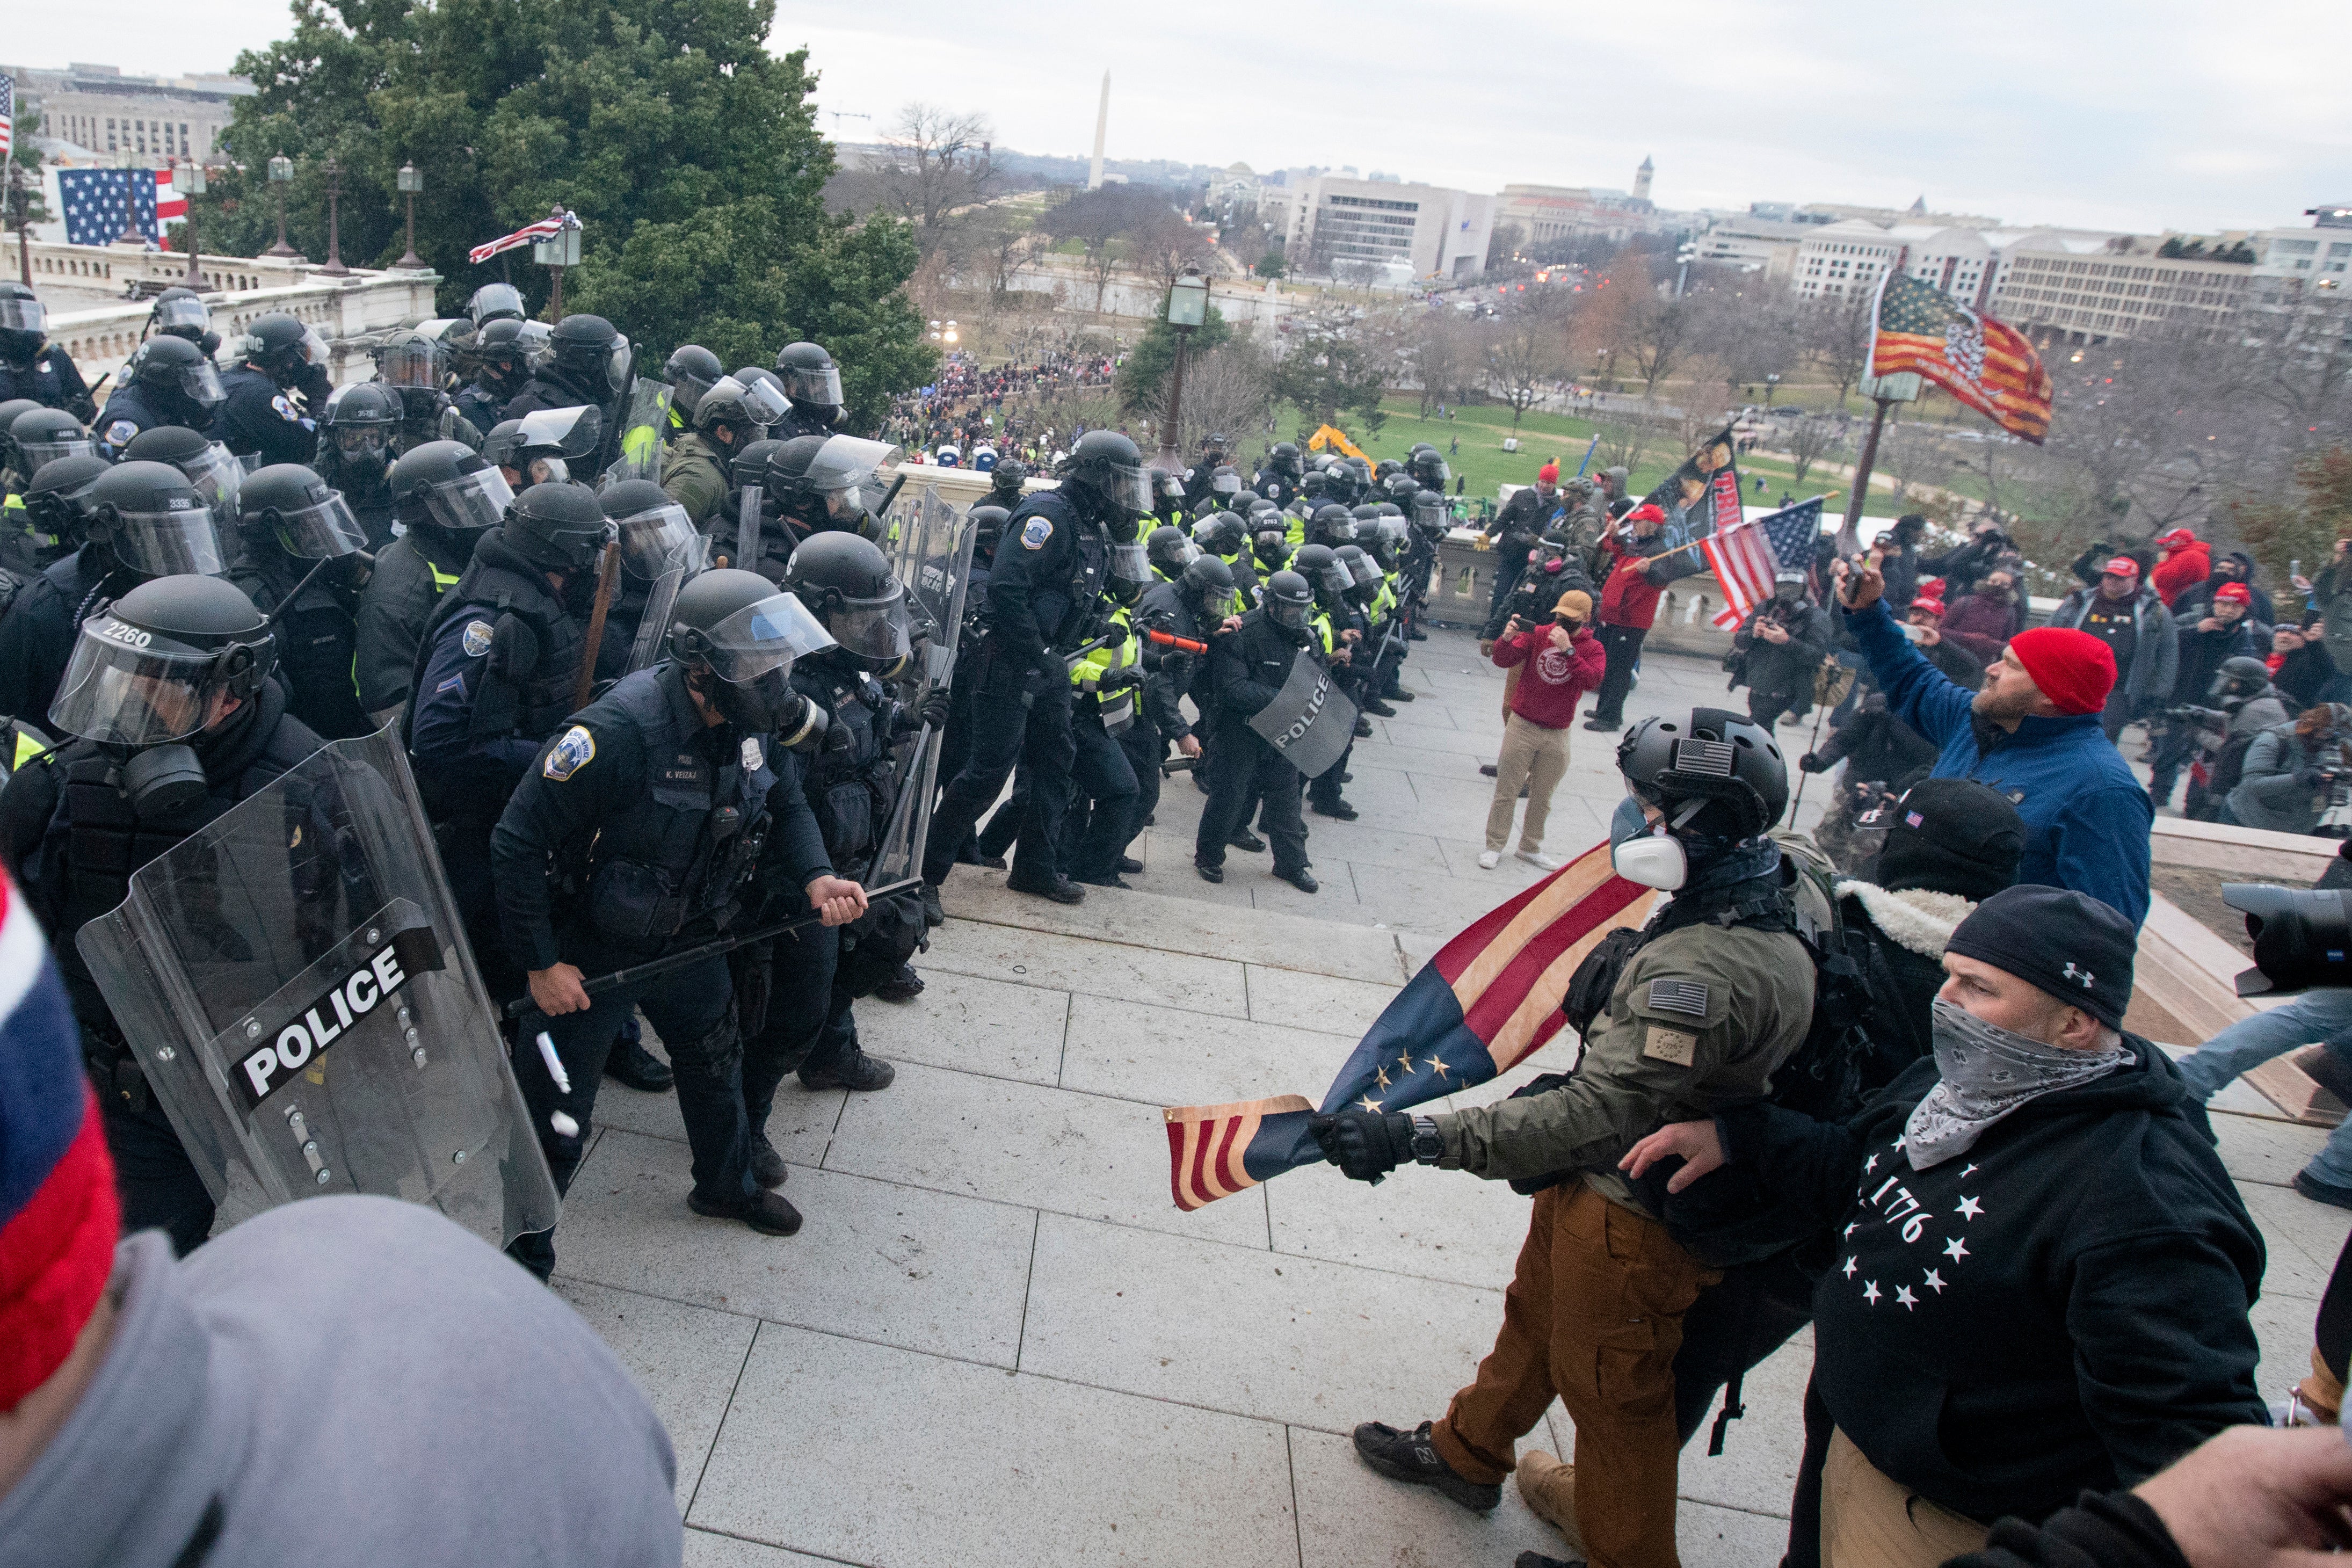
[761,404]
[321,531]
[470,502]
[413,363]
[1125,488]
[1131,563]
[844,473]
[752,654]
[566,431]
[181,539]
[1333,579]
[1289,613]
[492,300]
[22,315]
[876,630]
[654,542]
[1362,569]
[217,478]
[1225,483]
[36,453]
[126,686]
[619,362]
[186,316]
[816,384]
[201,383]
[537,341]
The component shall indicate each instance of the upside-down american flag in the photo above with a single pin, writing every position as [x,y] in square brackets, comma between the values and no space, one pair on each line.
[1745,558]
[1486,1003]
[555,223]
[1985,364]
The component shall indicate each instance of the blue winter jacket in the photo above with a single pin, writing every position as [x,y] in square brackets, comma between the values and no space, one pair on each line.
[2087,818]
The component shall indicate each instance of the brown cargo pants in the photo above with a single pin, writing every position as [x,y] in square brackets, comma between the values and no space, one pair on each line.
[1594,1315]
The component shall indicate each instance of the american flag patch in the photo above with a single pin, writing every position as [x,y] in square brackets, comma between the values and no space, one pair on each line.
[1913,819]
[1678,996]
[1697,756]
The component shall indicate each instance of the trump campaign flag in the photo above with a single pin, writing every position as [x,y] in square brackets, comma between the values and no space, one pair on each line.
[1489,1000]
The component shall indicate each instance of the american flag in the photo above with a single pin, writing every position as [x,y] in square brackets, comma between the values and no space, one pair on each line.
[1745,558]
[1987,365]
[95,200]
[169,203]
[545,227]
[7,115]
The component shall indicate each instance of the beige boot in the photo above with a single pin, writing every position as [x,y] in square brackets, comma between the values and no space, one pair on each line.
[1549,1488]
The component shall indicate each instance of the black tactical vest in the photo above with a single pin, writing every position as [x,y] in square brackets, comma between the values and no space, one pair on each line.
[849,783]
[503,583]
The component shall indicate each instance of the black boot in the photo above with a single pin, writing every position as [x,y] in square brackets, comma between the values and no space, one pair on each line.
[1061,889]
[1243,839]
[768,1212]
[856,1070]
[933,915]
[904,985]
[632,1064]
[1409,1457]
[767,1167]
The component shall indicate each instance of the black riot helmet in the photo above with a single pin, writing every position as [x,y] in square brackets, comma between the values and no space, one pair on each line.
[750,466]
[1363,572]
[1207,585]
[43,435]
[1320,565]
[207,464]
[1104,474]
[411,359]
[591,350]
[1224,483]
[561,527]
[283,349]
[1005,482]
[23,323]
[692,369]
[1221,533]
[1283,458]
[153,520]
[1709,770]
[1331,524]
[1430,468]
[158,667]
[1288,601]
[1314,486]
[2239,679]
[810,379]
[656,534]
[988,527]
[1167,550]
[357,424]
[502,355]
[289,504]
[178,369]
[735,412]
[827,482]
[57,501]
[182,313]
[846,584]
[736,635]
[495,302]
[446,484]
[540,448]
[1383,469]
[1401,489]
[10,411]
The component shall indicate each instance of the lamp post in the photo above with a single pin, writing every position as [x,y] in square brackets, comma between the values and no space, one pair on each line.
[23,220]
[130,234]
[281,174]
[189,191]
[334,266]
[556,252]
[411,182]
[1771,385]
[1188,311]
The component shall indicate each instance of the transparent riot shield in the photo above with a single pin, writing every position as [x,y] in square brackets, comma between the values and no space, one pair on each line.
[644,422]
[298,991]
[653,626]
[930,552]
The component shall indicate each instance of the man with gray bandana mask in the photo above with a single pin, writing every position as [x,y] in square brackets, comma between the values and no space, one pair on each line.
[2042,1271]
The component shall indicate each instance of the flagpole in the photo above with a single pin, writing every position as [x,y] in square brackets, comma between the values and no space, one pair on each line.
[1849,534]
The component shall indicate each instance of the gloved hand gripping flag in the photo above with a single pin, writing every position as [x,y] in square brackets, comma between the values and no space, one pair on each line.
[1486,1003]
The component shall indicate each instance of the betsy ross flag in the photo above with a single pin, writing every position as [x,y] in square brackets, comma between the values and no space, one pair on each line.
[1489,1000]
[551,225]
[1744,559]
[1985,364]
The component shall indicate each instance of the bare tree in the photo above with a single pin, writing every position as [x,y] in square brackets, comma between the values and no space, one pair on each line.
[1228,389]
[1809,437]
[1443,352]
[1163,246]
[1103,222]
[1665,332]
[1912,456]
[935,162]
[1624,443]
[1836,334]
[1606,312]
[1525,352]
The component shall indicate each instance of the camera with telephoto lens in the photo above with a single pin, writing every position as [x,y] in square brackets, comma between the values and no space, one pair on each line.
[2303,938]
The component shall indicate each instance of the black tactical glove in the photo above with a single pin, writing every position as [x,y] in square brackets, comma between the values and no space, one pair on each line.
[1119,680]
[1810,763]
[2311,778]
[1365,1145]
[755,976]
[933,709]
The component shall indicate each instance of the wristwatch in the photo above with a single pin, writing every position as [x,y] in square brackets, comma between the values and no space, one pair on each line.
[1428,1142]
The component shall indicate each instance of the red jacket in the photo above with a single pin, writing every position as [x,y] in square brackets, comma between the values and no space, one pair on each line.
[1981,626]
[2183,568]
[1629,598]
[1547,690]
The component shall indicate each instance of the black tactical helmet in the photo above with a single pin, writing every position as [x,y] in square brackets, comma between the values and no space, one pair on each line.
[743,408]
[1009,475]
[57,501]
[1208,583]
[24,321]
[1167,550]
[691,370]
[14,409]
[1363,513]
[150,668]
[1288,601]
[1106,470]
[750,466]
[204,461]
[1723,763]
[502,354]
[362,406]
[988,527]
[1402,488]
[447,484]
[560,526]
[282,348]
[808,376]
[1383,469]
[1221,533]
[153,520]
[2243,675]
[1362,570]
[1313,486]
[846,582]
[743,633]
[1283,457]
[176,365]
[45,434]
[495,302]
[1331,524]
[655,533]
[1430,468]
[1319,564]
[289,503]
[180,313]
[585,344]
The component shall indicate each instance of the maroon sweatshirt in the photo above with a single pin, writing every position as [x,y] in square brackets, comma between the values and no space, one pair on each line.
[1554,679]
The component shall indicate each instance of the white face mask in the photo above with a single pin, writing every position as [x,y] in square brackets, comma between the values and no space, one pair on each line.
[1643,852]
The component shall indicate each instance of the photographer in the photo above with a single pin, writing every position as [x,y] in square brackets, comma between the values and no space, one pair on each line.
[1962,567]
[1779,649]
[1560,660]
[2331,596]
[2300,665]
[2290,771]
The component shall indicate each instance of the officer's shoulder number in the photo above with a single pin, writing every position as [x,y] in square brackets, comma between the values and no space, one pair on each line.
[570,754]
[1035,532]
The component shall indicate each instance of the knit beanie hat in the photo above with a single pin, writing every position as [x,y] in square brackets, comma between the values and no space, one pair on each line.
[59,1218]
[1575,603]
[2066,944]
[1548,474]
[2074,669]
[1951,836]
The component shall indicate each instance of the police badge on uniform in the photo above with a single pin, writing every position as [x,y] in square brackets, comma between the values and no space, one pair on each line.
[753,755]
[571,753]
[477,640]
[120,433]
[1035,532]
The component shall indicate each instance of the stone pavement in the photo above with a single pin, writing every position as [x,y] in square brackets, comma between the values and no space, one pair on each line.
[997,1341]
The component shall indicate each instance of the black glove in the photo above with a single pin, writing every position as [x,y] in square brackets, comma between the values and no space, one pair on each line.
[1365,1145]
[755,976]
[1810,763]
[2311,778]
[1120,678]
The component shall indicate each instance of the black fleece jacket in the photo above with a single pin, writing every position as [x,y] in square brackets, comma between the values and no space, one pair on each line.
[2063,1308]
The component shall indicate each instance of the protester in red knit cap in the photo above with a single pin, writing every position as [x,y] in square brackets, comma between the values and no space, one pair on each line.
[2183,561]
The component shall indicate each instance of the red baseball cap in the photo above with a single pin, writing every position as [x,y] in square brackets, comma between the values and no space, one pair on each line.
[1933,605]
[2176,539]
[2236,592]
[1645,512]
[2121,566]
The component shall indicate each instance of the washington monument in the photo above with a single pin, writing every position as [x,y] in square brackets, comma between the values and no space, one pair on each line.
[1102,124]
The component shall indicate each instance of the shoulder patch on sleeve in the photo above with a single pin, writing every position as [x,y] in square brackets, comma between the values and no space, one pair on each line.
[1659,1043]
[120,433]
[755,758]
[478,639]
[570,754]
[1035,532]
[1678,996]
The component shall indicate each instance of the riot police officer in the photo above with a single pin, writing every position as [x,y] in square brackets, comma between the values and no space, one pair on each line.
[16,471]
[1006,483]
[181,312]
[275,392]
[495,302]
[47,521]
[445,498]
[304,564]
[36,436]
[1247,667]
[728,417]
[1102,815]
[355,434]
[1042,593]
[1200,603]
[169,380]
[587,364]
[636,832]
[144,521]
[812,383]
[215,475]
[415,368]
[1225,535]
[30,365]
[1168,552]
[824,484]
[501,370]
[174,720]
[1277,477]
[655,539]
[692,369]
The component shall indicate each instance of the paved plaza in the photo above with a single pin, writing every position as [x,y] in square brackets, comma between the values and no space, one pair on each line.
[997,1341]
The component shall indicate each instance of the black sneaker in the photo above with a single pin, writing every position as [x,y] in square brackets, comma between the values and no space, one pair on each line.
[767,1167]
[1209,873]
[638,1067]
[855,1071]
[933,914]
[2321,1192]
[1490,769]
[768,1212]
[1338,809]
[1129,866]
[1303,879]
[904,985]
[1243,839]
[1408,1457]
[1061,889]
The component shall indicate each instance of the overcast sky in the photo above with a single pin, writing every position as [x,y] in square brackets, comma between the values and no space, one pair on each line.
[2141,115]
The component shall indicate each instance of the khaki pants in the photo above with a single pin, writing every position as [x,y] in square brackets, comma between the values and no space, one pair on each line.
[1871,1520]
[1594,1315]
[1533,756]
